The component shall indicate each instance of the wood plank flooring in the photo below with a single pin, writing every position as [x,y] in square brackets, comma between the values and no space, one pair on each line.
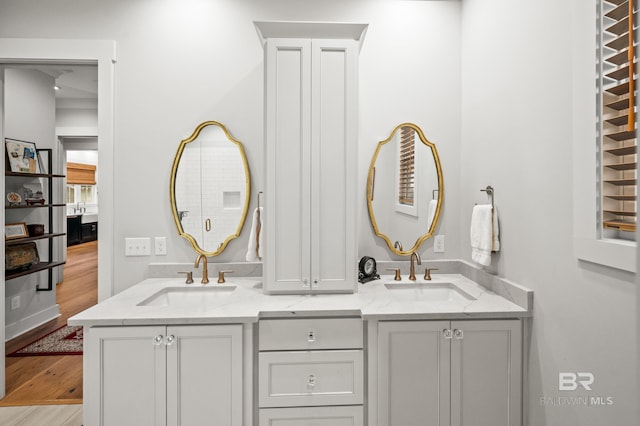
[42,380]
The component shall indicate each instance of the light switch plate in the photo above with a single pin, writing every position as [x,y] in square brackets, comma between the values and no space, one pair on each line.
[137,246]
[15,302]
[438,244]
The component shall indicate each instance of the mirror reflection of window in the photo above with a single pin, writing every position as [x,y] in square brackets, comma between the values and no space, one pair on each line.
[406,168]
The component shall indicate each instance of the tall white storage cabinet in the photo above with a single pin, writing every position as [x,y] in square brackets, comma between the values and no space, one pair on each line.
[311,160]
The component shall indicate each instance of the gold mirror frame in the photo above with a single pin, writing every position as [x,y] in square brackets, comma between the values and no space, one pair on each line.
[172,189]
[371,186]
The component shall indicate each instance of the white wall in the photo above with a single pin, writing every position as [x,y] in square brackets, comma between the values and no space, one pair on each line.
[183,62]
[517,109]
[29,104]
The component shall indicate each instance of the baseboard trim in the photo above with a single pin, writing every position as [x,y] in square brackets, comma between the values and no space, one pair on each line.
[17,328]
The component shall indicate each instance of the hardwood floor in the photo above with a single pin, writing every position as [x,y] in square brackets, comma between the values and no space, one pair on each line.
[62,415]
[41,380]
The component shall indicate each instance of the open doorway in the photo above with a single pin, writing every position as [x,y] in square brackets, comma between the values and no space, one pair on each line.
[102,53]
[47,377]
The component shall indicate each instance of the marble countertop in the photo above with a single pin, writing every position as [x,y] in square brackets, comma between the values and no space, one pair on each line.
[246,303]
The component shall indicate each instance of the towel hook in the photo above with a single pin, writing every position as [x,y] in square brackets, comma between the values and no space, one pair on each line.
[489,191]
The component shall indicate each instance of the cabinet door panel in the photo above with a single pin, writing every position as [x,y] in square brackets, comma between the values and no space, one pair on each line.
[287,159]
[413,374]
[124,376]
[312,416]
[486,373]
[204,378]
[334,156]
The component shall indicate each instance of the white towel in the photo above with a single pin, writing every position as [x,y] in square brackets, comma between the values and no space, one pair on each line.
[484,233]
[254,249]
[433,206]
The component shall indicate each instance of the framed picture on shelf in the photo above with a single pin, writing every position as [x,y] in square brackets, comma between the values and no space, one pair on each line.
[13,231]
[22,156]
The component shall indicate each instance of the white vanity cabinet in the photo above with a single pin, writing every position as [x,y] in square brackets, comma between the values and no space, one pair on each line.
[164,375]
[311,372]
[311,165]
[443,373]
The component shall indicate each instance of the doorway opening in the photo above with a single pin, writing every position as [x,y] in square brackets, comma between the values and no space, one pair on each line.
[75,51]
[57,379]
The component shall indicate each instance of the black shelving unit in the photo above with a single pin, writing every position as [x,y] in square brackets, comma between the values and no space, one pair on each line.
[49,263]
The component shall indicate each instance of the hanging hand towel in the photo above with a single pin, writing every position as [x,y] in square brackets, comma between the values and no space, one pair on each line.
[484,233]
[254,249]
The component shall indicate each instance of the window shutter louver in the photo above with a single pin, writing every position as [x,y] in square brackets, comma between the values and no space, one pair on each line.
[406,167]
[617,86]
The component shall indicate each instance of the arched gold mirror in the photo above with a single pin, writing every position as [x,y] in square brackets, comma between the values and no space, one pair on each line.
[405,189]
[210,188]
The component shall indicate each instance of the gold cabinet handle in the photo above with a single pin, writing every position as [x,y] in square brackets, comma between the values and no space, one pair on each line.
[207,225]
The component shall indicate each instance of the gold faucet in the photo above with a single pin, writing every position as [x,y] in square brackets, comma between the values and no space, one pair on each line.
[205,269]
[412,271]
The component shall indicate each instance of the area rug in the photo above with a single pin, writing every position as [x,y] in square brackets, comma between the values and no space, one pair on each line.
[67,340]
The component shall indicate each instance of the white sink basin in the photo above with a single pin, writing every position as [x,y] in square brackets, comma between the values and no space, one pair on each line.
[89,217]
[428,292]
[189,297]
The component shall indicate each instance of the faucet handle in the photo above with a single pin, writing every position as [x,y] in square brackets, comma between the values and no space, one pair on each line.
[397,276]
[189,279]
[221,279]
[427,273]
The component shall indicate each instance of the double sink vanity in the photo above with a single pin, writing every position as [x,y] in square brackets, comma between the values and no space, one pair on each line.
[393,353]
[305,334]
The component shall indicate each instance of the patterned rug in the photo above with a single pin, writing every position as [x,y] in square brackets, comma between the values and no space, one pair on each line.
[67,340]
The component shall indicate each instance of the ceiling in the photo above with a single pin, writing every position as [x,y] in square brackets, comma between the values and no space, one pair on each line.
[75,81]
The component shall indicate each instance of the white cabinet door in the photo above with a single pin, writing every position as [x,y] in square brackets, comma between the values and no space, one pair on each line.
[204,375]
[459,373]
[334,163]
[287,164]
[486,373]
[312,416]
[157,375]
[124,376]
[413,373]
[310,162]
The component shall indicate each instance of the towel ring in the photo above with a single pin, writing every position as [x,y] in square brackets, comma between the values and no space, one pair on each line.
[489,191]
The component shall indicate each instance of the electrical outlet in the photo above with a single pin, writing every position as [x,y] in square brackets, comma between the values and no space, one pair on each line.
[137,246]
[161,245]
[438,244]
[15,302]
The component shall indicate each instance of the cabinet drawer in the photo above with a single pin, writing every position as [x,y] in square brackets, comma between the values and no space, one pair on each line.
[300,334]
[312,416]
[289,379]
